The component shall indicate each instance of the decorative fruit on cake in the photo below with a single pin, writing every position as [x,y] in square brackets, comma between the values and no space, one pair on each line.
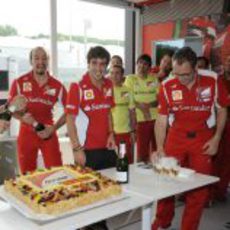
[59,189]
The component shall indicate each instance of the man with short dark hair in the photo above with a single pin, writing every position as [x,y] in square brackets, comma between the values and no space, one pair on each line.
[189,101]
[116,60]
[164,69]
[202,63]
[92,97]
[144,88]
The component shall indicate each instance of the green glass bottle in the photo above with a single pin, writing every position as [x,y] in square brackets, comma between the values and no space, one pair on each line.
[122,166]
[7,114]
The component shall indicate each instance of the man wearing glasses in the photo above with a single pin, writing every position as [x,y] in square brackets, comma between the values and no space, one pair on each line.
[195,106]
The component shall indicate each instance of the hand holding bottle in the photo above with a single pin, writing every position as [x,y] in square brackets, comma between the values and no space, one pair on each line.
[17,104]
[43,131]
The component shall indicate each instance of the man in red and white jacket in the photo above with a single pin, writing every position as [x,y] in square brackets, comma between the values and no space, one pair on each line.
[92,99]
[195,107]
[42,92]
[221,161]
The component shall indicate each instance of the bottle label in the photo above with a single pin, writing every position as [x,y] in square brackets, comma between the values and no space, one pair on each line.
[122,176]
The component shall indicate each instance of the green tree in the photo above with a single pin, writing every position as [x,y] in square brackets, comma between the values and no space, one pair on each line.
[7,30]
[80,39]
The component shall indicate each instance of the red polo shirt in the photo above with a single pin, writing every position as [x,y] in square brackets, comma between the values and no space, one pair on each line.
[227,84]
[41,100]
[95,105]
[194,109]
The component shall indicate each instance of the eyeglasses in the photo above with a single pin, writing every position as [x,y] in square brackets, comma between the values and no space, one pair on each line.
[183,75]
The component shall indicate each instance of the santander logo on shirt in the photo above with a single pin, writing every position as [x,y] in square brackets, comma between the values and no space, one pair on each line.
[40,100]
[202,108]
[95,107]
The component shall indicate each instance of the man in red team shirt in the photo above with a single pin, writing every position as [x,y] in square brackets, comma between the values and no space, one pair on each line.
[93,98]
[221,162]
[42,92]
[189,102]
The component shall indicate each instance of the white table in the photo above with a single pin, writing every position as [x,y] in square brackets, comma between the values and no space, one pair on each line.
[146,182]
[10,219]
[143,191]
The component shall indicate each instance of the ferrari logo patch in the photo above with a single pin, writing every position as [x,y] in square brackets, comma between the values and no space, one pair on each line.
[88,94]
[177,95]
[27,87]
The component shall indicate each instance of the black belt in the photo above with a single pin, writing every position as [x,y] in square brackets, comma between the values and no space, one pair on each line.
[191,134]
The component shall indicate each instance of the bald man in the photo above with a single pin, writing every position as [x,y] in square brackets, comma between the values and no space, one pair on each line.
[42,92]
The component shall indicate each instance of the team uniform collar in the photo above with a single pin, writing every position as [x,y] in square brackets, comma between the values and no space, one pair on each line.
[87,79]
[35,82]
[196,83]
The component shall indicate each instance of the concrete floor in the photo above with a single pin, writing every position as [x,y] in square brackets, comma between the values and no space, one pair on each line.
[214,217]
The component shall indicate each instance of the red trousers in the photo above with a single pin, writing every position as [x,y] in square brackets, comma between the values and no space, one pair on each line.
[126,137]
[188,150]
[146,142]
[222,165]
[28,145]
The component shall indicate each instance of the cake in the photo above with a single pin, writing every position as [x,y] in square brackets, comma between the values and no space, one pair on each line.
[59,189]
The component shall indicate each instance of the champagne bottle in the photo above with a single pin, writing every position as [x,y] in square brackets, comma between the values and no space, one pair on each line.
[38,126]
[7,114]
[122,166]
